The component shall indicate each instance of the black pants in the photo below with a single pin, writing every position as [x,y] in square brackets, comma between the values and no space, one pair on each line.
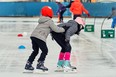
[61,15]
[75,16]
[36,44]
[60,39]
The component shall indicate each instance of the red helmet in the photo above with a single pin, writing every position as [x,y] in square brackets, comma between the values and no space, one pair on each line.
[47,11]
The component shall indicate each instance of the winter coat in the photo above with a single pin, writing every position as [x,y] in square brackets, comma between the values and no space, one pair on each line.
[45,26]
[71,28]
[61,7]
[78,8]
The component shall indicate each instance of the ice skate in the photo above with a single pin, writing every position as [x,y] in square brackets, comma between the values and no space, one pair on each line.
[40,68]
[59,66]
[28,68]
[59,69]
[68,68]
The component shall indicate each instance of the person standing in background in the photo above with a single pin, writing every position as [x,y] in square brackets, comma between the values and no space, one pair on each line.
[77,9]
[113,16]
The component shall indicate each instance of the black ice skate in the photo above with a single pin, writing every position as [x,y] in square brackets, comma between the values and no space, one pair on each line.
[40,68]
[28,68]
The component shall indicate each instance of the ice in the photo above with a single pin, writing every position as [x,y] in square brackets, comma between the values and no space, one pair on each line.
[92,55]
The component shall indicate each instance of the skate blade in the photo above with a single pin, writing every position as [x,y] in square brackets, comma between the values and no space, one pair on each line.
[27,71]
[40,71]
[70,71]
[59,71]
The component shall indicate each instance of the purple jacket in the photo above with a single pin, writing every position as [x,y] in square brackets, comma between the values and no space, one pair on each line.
[61,8]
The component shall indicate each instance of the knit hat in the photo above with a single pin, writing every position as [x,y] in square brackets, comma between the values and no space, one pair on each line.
[47,11]
[79,20]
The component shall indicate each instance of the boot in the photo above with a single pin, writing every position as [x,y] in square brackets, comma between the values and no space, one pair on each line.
[40,68]
[68,68]
[59,66]
[29,67]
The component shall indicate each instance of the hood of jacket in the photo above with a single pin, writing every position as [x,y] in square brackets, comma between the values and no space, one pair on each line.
[43,19]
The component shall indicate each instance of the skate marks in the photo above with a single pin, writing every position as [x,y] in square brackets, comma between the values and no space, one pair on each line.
[66,71]
[27,71]
[35,71]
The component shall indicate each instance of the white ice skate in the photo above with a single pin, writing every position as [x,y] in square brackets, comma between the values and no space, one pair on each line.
[59,69]
[68,69]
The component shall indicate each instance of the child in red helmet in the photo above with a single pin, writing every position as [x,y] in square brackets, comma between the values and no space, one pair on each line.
[38,38]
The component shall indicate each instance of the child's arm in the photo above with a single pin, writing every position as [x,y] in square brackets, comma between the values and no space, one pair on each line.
[55,28]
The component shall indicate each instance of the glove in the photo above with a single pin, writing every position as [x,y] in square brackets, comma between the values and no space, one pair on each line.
[88,15]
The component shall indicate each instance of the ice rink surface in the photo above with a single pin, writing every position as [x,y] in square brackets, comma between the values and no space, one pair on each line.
[92,55]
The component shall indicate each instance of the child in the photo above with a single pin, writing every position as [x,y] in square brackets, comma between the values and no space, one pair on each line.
[63,39]
[113,16]
[38,38]
[60,11]
[77,9]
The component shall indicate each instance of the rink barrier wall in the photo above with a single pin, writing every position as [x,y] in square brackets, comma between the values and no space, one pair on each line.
[33,8]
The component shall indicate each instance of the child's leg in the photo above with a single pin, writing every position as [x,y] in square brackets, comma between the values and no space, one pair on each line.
[67,65]
[61,17]
[40,65]
[31,58]
[35,48]
[44,50]
[60,39]
[58,18]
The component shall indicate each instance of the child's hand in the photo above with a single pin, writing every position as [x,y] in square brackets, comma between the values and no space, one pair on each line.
[88,15]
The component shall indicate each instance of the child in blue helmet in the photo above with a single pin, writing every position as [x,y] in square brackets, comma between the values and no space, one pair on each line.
[113,16]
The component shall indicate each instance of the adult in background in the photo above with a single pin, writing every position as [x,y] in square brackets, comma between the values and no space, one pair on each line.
[77,9]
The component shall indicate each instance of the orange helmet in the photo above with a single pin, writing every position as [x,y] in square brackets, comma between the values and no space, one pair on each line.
[47,11]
